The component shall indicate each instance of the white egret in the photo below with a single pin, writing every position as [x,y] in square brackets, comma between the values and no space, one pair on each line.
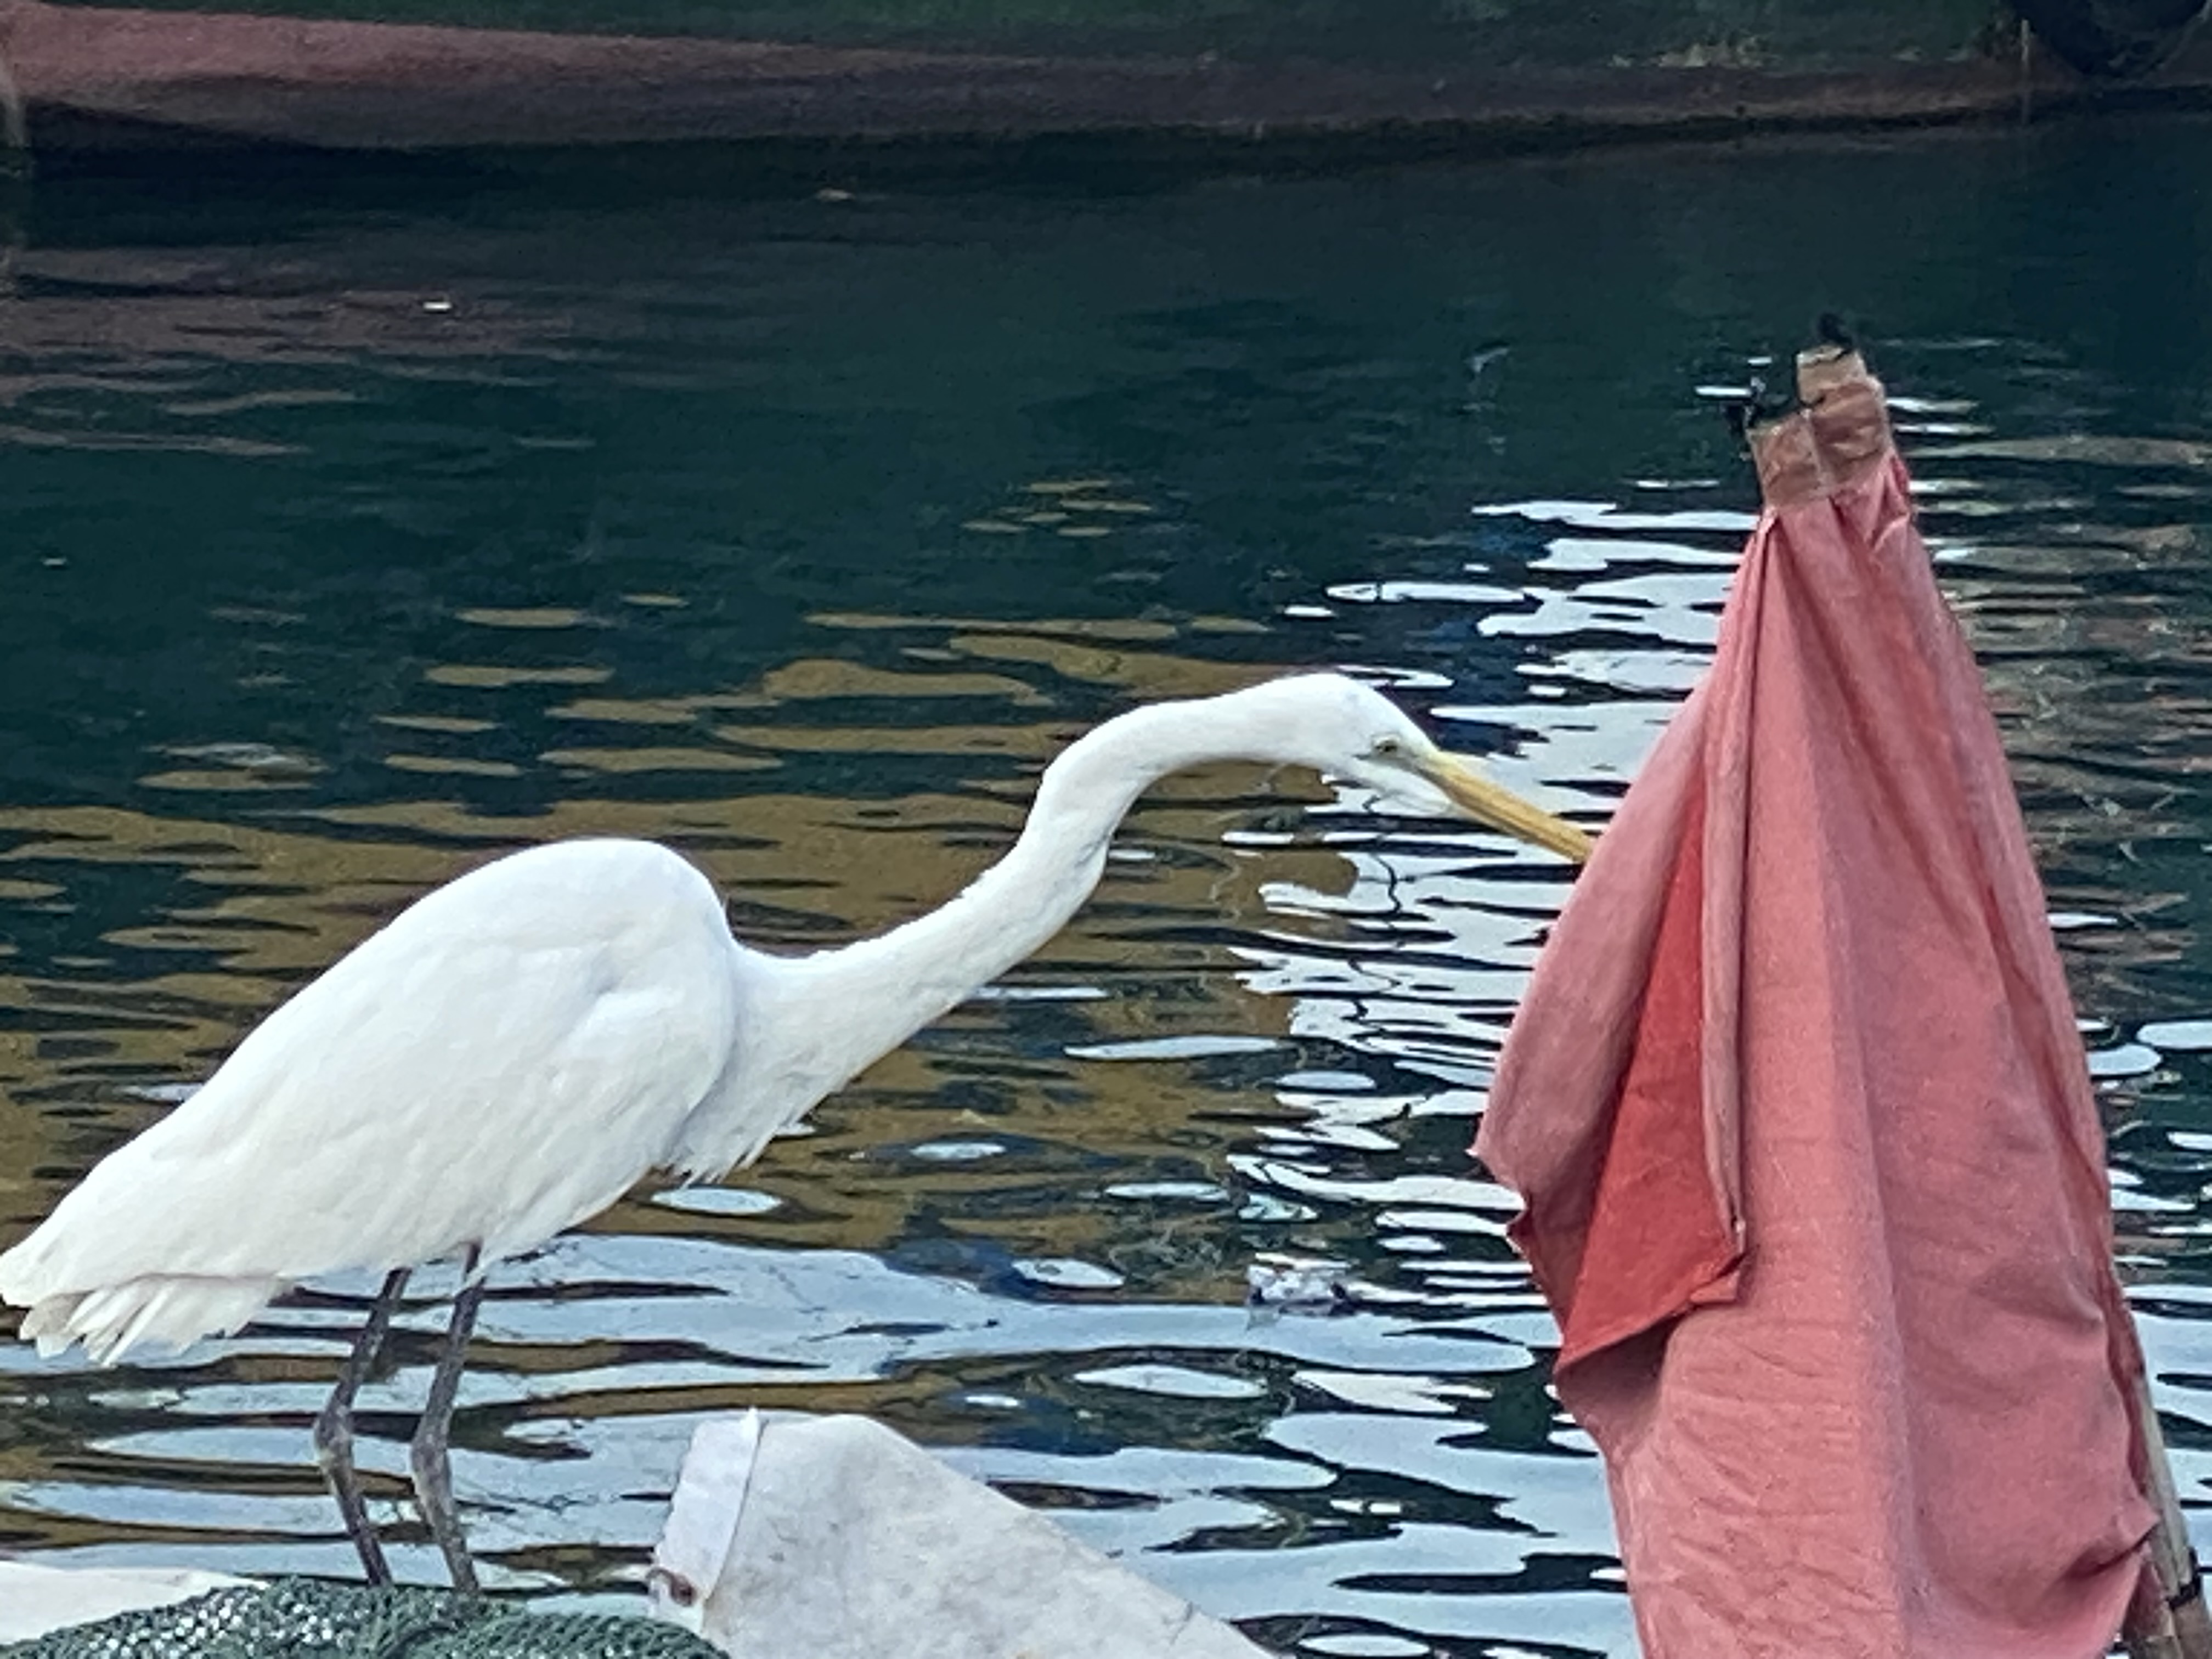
[517,1048]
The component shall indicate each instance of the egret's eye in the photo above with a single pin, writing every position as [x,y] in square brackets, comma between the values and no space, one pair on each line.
[1390,748]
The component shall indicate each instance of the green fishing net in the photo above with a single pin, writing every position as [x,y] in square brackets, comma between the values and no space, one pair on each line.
[305,1618]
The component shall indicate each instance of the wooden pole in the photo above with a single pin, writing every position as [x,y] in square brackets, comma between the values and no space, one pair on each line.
[2167,1620]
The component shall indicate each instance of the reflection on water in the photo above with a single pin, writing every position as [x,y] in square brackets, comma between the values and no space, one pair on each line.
[351,533]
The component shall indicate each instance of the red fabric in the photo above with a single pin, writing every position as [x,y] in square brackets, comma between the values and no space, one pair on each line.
[1812,1169]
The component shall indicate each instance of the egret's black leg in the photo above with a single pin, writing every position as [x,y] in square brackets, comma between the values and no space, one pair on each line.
[334,1429]
[428,1455]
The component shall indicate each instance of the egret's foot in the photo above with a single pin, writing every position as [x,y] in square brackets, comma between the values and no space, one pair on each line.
[428,1457]
[334,1429]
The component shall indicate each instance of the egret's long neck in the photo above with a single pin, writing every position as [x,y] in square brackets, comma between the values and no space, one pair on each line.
[810,1023]
[886,988]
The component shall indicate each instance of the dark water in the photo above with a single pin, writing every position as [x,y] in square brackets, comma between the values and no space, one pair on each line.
[355,526]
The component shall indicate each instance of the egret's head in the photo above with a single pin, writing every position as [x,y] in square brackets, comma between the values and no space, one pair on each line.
[1343,729]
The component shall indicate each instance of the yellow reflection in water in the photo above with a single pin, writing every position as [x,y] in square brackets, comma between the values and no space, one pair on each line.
[621,761]
[813,679]
[541,616]
[451,724]
[1160,674]
[634,711]
[1102,627]
[493,678]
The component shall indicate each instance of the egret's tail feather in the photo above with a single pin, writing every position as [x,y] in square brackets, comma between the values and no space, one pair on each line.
[169,1310]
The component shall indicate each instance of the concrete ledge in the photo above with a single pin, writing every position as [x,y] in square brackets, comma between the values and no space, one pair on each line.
[101,79]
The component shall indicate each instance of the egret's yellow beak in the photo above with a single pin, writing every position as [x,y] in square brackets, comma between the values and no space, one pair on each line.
[1501,809]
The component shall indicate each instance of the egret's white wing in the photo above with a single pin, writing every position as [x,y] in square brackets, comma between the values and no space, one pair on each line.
[505,1059]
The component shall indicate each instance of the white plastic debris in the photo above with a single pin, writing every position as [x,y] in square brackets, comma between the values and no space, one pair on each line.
[703,1519]
[836,1538]
[36,1599]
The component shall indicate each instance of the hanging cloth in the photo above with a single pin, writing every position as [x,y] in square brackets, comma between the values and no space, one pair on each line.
[1812,1171]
